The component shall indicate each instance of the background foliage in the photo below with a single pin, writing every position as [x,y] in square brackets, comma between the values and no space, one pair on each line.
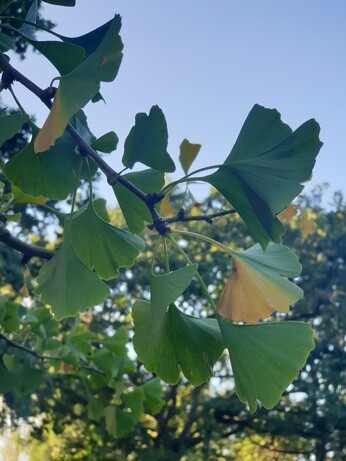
[73,378]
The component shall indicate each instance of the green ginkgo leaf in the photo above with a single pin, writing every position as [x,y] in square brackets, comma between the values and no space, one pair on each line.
[152,392]
[10,125]
[78,86]
[6,43]
[119,422]
[49,174]
[188,153]
[181,342]
[135,211]
[61,2]
[107,143]
[266,358]
[64,56]
[265,170]
[257,285]
[66,284]
[166,288]
[147,142]
[101,246]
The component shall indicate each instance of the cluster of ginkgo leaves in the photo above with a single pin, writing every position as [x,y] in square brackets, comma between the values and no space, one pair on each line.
[259,178]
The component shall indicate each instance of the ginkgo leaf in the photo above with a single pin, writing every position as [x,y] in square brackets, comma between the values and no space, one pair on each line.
[257,285]
[308,226]
[265,358]
[78,86]
[6,43]
[49,174]
[265,169]
[135,211]
[147,142]
[166,288]
[61,2]
[119,422]
[20,197]
[188,153]
[166,207]
[101,246]
[10,125]
[64,56]
[288,213]
[181,342]
[66,284]
[107,143]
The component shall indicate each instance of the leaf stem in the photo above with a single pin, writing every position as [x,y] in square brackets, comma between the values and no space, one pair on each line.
[166,254]
[16,99]
[188,178]
[205,238]
[199,278]
[73,203]
[29,23]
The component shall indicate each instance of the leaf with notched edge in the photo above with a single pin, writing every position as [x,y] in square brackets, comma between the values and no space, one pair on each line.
[78,86]
[180,342]
[66,284]
[50,174]
[265,169]
[257,285]
[147,142]
[101,246]
[265,358]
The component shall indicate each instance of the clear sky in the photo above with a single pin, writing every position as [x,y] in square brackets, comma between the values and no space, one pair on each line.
[207,63]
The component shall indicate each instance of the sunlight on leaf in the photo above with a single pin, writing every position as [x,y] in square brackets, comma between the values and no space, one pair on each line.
[266,358]
[20,197]
[188,153]
[257,285]
[81,84]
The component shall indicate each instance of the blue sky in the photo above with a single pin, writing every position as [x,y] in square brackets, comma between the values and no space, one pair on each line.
[207,63]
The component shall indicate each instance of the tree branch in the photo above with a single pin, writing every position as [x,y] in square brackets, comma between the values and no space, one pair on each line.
[10,74]
[27,249]
[39,356]
[181,217]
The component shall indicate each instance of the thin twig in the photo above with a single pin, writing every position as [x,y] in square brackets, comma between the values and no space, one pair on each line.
[39,356]
[27,249]
[10,74]
[181,217]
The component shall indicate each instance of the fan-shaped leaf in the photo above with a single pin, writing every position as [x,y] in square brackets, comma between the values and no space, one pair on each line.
[50,174]
[181,341]
[188,153]
[266,358]
[81,84]
[147,142]
[256,287]
[101,246]
[66,284]
[135,211]
[106,143]
[10,125]
[166,288]
[265,169]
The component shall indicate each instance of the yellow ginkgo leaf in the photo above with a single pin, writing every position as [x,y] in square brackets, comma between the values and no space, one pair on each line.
[257,285]
[307,226]
[288,213]
[166,207]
